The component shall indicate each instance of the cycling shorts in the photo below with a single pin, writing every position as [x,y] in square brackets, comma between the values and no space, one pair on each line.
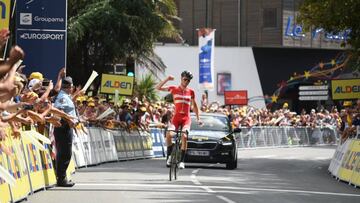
[177,121]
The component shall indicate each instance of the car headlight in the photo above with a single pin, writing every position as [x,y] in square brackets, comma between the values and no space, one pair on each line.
[227,143]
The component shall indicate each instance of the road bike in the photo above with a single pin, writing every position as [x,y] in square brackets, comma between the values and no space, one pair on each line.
[176,153]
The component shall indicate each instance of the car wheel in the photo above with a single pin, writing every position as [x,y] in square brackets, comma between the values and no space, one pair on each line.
[232,164]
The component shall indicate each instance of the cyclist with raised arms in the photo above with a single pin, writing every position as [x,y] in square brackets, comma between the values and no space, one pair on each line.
[182,97]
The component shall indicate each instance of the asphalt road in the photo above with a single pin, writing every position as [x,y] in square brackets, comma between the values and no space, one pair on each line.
[263,175]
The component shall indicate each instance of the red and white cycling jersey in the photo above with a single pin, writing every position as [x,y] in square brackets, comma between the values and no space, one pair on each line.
[182,100]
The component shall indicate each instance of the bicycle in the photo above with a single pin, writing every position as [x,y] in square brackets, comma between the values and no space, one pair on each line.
[176,154]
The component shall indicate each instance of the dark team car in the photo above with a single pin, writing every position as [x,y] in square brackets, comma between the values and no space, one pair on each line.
[213,141]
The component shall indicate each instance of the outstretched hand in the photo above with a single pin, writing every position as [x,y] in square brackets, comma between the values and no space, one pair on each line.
[4,36]
[62,73]
[170,77]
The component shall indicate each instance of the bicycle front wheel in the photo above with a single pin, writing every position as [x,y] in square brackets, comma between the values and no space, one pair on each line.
[173,165]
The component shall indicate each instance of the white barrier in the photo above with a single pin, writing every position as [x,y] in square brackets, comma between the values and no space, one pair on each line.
[345,164]
[109,145]
[102,145]
[79,151]
[275,136]
[338,157]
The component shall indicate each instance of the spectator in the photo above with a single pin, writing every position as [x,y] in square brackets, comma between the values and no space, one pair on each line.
[63,134]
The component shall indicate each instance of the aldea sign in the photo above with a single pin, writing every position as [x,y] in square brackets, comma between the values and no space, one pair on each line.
[345,89]
[296,31]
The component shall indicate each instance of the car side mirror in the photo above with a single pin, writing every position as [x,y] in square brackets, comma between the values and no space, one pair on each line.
[237,130]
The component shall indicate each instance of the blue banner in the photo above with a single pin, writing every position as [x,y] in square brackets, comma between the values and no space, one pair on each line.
[41,32]
[206,58]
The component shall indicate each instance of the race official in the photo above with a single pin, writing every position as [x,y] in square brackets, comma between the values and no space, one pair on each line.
[63,134]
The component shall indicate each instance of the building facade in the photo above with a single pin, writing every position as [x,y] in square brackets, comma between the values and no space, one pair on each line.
[280,46]
[253,23]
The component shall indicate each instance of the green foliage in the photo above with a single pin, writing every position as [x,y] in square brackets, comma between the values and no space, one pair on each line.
[103,32]
[333,16]
[146,88]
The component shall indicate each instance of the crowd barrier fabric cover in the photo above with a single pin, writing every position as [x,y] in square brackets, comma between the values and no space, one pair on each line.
[120,145]
[345,164]
[109,145]
[158,142]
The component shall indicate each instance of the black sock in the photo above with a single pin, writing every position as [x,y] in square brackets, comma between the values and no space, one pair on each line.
[182,155]
[169,150]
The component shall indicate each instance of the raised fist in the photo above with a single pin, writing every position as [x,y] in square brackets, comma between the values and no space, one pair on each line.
[170,77]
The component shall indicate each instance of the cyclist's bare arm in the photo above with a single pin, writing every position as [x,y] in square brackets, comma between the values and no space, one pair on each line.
[161,86]
[196,110]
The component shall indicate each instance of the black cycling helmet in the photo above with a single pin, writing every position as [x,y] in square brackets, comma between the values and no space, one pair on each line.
[187,74]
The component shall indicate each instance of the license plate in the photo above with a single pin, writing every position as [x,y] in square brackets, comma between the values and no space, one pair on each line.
[199,153]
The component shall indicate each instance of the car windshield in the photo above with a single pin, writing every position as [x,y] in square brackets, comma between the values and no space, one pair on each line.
[212,123]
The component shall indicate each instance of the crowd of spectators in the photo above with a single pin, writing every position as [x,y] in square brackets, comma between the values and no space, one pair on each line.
[346,121]
[27,100]
[132,113]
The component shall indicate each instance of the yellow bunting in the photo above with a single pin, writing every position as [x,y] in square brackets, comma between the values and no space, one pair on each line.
[333,62]
[274,98]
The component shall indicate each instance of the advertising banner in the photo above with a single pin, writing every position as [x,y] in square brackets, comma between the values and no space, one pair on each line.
[110,83]
[17,168]
[223,83]
[206,57]
[236,97]
[120,145]
[347,164]
[158,142]
[4,14]
[41,32]
[355,165]
[345,89]
[4,186]
[78,150]
[338,157]
[48,167]
[129,145]
[35,166]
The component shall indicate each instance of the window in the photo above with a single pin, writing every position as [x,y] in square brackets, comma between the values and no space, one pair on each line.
[270,17]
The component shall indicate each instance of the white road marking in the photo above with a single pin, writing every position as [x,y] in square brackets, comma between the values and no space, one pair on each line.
[195,171]
[194,180]
[322,158]
[264,156]
[283,190]
[207,189]
[224,199]
[224,188]
[193,177]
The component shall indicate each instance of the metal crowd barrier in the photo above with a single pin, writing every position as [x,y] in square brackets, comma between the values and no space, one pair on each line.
[30,167]
[103,145]
[275,136]
[345,164]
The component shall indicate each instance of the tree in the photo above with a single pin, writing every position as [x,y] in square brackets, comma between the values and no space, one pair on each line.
[146,88]
[102,32]
[333,16]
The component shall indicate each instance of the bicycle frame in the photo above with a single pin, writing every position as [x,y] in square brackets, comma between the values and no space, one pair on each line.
[176,154]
